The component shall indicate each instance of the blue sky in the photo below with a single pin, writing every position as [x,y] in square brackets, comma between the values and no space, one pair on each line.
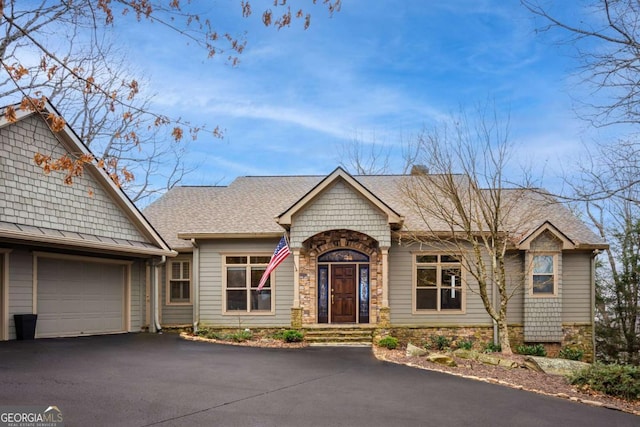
[377,71]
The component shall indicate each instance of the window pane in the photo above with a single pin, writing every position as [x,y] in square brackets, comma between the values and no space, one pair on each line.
[427,276]
[450,299]
[364,294]
[236,259]
[451,277]
[449,258]
[543,264]
[256,275]
[427,258]
[236,300]
[185,290]
[426,299]
[543,284]
[175,270]
[323,294]
[343,255]
[261,301]
[236,277]
[185,270]
[176,290]
[260,259]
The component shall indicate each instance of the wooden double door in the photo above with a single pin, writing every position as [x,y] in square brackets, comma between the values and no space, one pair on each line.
[344,295]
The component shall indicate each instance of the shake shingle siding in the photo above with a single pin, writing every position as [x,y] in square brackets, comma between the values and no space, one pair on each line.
[34,199]
[339,207]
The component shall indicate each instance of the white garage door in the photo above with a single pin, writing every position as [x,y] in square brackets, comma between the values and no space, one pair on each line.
[79,298]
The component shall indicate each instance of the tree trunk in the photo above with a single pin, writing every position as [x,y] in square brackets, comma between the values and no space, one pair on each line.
[503,333]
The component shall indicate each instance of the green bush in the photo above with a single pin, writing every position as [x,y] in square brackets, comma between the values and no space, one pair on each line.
[492,347]
[532,350]
[440,342]
[615,380]
[571,353]
[465,344]
[388,342]
[292,335]
[241,336]
[210,334]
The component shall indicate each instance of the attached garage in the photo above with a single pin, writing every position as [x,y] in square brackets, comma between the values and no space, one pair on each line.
[80,296]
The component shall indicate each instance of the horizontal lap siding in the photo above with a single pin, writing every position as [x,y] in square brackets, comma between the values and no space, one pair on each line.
[516,282]
[174,314]
[211,298]
[20,286]
[138,289]
[401,295]
[577,305]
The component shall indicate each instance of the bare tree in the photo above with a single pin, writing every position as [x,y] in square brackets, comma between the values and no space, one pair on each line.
[606,37]
[610,191]
[459,192]
[103,101]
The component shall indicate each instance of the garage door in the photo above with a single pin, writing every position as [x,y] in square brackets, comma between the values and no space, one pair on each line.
[79,298]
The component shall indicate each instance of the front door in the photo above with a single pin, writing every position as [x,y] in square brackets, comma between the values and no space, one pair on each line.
[343,293]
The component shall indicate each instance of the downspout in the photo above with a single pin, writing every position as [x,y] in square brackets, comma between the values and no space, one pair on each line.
[196,285]
[156,294]
[593,303]
[494,299]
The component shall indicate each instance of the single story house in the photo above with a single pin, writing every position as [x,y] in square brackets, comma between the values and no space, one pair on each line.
[82,256]
[355,262]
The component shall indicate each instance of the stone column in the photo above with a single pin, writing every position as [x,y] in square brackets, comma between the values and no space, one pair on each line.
[296,278]
[385,276]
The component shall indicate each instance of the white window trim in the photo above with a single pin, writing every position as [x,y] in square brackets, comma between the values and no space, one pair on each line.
[247,312]
[168,277]
[555,256]
[414,287]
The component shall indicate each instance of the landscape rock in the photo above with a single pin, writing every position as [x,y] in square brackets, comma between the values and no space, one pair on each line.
[466,354]
[556,366]
[412,350]
[488,359]
[441,359]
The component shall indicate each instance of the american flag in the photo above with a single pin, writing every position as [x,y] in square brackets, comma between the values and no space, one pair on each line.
[282,251]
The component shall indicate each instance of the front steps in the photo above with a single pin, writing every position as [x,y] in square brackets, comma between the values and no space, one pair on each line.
[339,336]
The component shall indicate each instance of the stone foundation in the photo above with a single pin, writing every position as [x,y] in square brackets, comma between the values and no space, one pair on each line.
[574,336]
[296,318]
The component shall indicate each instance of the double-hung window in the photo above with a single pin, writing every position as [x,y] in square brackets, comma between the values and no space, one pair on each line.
[543,277]
[242,276]
[438,283]
[179,282]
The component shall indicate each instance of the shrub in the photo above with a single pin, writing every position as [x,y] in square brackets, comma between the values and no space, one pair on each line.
[440,342]
[615,380]
[532,350]
[241,336]
[292,335]
[465,344]
[492,347]
[210,334]
[388,342]
[571,353]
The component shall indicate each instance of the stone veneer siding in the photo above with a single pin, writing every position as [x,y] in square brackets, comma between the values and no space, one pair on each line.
[308,271]
[575,336]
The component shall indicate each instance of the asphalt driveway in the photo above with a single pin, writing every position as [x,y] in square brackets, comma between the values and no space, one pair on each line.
[144,379]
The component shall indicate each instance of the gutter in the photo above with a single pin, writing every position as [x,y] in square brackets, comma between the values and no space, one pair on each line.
[155,306]
[196,285]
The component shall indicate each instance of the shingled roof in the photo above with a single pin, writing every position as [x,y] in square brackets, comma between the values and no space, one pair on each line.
[249,207]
